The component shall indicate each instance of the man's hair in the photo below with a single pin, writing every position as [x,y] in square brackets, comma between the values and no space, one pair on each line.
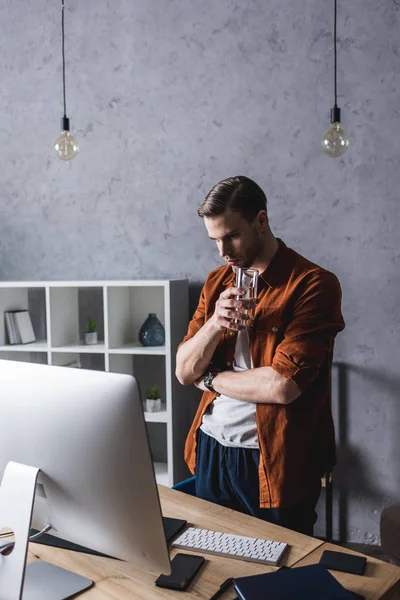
[239,194]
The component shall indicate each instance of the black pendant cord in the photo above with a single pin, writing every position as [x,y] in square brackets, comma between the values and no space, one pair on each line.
[335,111]
[63,56]
[334,46]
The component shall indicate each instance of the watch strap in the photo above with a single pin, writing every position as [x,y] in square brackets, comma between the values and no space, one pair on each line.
[208,379]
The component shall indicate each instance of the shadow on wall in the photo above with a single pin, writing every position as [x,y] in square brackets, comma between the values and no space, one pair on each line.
[353,474]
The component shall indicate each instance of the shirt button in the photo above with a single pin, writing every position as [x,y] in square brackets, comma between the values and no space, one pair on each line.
[228,364]
[274,329]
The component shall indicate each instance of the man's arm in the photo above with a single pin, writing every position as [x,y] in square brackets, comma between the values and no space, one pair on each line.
[308,339]
[262,385]
[195,354]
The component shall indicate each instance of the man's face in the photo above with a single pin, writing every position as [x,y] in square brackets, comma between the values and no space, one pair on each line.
[239,242]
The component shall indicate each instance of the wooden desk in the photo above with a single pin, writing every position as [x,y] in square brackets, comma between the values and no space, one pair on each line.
[118,580]
[381,580]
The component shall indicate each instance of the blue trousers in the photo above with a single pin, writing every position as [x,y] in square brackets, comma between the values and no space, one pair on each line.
[229,477]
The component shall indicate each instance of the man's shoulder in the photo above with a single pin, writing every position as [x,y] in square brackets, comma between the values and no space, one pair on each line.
[219,274]
[217,280]
[303,266]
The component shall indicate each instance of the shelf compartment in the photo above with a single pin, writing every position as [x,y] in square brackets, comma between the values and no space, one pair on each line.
[90,361]
[157,433]
[149,370]
[128,308]
[27,356]
[161,471]
[70,308]
[24,298]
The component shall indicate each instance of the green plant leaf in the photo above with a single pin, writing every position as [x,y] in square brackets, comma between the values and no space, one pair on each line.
[92,324]
[153,393]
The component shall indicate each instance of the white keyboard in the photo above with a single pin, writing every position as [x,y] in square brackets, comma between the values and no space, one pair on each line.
[252,549]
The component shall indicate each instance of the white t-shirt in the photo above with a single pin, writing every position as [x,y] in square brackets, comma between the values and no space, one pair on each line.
[233,422]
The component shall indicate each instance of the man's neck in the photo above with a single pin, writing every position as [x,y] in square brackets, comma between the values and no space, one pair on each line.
[270,248]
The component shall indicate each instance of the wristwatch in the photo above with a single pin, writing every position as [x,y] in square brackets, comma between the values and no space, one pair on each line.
[208,379]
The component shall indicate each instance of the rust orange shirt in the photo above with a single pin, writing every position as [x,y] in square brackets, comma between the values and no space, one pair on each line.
[296,320]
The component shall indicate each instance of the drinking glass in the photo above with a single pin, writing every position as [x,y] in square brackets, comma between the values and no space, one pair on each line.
[247,279]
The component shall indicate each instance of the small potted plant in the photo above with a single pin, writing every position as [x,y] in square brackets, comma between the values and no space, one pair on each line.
[153,400]
[91,333]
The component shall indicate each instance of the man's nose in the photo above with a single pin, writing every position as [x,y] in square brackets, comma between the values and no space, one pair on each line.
[224,249]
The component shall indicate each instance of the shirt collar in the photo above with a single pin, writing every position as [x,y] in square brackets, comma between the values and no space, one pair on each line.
[279,266]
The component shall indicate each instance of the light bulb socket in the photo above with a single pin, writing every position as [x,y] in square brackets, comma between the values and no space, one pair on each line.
[335,114]
[65,124]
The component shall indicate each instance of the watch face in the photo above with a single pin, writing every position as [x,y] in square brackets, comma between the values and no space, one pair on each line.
[207,379]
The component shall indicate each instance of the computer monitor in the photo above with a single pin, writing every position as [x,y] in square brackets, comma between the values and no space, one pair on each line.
[85,431]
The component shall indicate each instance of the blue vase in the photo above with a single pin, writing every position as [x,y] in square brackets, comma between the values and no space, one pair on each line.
[152,332]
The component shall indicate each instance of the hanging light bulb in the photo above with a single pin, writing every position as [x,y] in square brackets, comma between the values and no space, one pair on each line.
[335,141]
[66,146]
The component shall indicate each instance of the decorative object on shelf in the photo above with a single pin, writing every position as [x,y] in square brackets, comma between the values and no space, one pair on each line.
[152,332]
[91,333]
[335,141]
[153,400]
[66,146]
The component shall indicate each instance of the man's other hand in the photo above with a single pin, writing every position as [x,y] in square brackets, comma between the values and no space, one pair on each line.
[228,307]
[199,383]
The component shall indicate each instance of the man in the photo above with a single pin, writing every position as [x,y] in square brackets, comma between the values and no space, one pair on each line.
[263,434]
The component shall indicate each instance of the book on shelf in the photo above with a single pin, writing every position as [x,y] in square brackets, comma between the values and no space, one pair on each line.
[10,328]
[19,327]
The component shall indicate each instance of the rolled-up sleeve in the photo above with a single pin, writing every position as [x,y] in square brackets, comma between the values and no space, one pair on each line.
[310,334]
[197,320]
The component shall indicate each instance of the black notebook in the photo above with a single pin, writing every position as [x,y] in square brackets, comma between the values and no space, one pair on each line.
[312,582]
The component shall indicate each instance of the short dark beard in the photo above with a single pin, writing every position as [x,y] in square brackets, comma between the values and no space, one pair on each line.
[255,252]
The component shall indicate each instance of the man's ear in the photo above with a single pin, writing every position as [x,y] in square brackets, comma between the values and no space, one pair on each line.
[262,220]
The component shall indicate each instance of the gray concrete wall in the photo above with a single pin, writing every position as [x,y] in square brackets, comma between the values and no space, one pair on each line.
[167,98]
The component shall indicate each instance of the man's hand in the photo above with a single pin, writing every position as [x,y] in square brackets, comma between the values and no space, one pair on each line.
[199,383]
[227,308]
[194,356]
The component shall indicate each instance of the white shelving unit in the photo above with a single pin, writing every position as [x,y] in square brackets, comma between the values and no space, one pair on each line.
[59,311]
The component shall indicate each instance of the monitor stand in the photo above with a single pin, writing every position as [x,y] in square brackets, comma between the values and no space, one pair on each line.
[19,581]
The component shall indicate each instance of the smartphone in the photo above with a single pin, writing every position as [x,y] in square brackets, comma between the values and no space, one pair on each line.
[341,561]
[183,568]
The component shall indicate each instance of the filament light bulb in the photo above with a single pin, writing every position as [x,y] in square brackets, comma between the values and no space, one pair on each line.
[335,141]
[66,146]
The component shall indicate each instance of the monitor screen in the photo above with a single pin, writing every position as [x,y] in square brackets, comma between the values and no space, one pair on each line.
[85,431]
